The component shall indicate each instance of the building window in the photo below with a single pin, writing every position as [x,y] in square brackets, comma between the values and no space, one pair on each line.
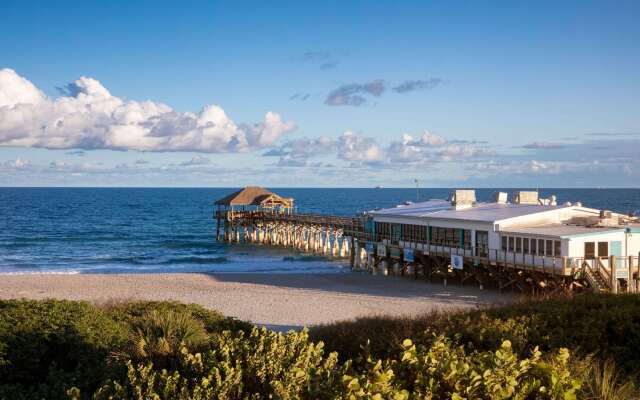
[482,243]
[534,247]
[466,237]
[511,242]
[541,247]
[589,250]
[549,248]
[504,243]
[603,249]
[525,245]
[518,245]
[557,249]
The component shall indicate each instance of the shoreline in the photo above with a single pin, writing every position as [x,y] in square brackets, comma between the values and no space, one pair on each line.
[277,300]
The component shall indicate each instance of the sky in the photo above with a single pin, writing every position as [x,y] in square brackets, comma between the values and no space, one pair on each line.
[322,94]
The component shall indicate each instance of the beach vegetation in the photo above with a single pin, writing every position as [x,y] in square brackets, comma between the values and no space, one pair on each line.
[552,349]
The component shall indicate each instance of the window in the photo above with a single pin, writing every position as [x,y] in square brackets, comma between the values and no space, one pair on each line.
[548,248]
[396,232]
[466,237]
[518,245]
[504,243]
[482,243]
[603,249]
[540,247]
[589,250]
[525,245]
[511,242]
[533,246]
[557,249]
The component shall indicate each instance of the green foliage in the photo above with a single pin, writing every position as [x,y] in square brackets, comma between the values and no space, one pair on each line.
[131,312]
[271,365]
[47,347]
[604,382]
[146,350]
[159,336]
[605,325]
[50,344]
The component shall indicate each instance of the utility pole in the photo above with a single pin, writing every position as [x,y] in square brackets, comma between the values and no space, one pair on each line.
[417,190]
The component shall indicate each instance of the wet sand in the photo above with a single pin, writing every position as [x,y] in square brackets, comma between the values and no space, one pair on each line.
[279,301]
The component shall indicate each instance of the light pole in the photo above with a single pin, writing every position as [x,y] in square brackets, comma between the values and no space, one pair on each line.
[417,190]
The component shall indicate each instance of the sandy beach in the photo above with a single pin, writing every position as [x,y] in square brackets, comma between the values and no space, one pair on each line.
[279,301]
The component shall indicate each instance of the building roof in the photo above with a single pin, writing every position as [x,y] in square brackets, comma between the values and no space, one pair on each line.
[561,230]
[251,196]
[478,212]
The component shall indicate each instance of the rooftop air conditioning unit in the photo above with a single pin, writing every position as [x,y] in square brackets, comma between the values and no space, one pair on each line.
[501,197]
[525,197]
[605,214]
[463,198]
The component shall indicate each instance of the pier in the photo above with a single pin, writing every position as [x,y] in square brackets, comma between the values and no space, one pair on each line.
[531,245]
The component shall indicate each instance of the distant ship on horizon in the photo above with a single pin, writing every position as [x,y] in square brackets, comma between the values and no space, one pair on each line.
[379,187]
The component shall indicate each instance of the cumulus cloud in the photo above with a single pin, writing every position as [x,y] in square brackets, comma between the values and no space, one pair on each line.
[298,152]
[412,85]
[196,160]
[18,163]
[87,116]
[353,94]
[359,148]
[426,139]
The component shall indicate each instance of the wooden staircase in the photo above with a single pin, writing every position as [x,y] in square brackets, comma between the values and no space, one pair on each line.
[598,277]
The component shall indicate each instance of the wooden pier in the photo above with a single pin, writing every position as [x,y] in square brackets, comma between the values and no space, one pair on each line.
[260,217]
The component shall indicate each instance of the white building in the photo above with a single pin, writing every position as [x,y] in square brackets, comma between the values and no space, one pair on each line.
[527,232]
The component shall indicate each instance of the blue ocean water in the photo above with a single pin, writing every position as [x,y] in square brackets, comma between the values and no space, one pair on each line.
[109,230]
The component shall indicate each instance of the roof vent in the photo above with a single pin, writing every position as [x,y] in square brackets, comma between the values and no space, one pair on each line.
[501,197]
[525,197]
[463,198]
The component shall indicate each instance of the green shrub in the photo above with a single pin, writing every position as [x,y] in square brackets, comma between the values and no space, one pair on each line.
[214,322]
[605,325]
[51,345]
[164,350]
[159,335]
[271,365]
[47,347]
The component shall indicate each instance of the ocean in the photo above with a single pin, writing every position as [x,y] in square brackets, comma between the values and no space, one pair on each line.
[142,230]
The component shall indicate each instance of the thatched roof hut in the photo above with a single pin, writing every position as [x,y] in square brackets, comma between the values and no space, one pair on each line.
[254,196]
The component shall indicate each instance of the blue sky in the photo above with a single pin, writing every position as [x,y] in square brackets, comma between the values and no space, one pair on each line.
[472,93]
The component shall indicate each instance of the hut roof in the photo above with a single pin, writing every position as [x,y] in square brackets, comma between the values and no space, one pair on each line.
[250,196]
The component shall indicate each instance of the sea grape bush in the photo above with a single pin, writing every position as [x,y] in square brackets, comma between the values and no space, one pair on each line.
[270,365]
[605,325]
[165,350]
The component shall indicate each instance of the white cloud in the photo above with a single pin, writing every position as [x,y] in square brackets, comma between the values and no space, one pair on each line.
[87,116]
[359,148]
[195,160]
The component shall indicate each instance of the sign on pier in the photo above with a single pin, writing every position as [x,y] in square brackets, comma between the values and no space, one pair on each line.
[457,262]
